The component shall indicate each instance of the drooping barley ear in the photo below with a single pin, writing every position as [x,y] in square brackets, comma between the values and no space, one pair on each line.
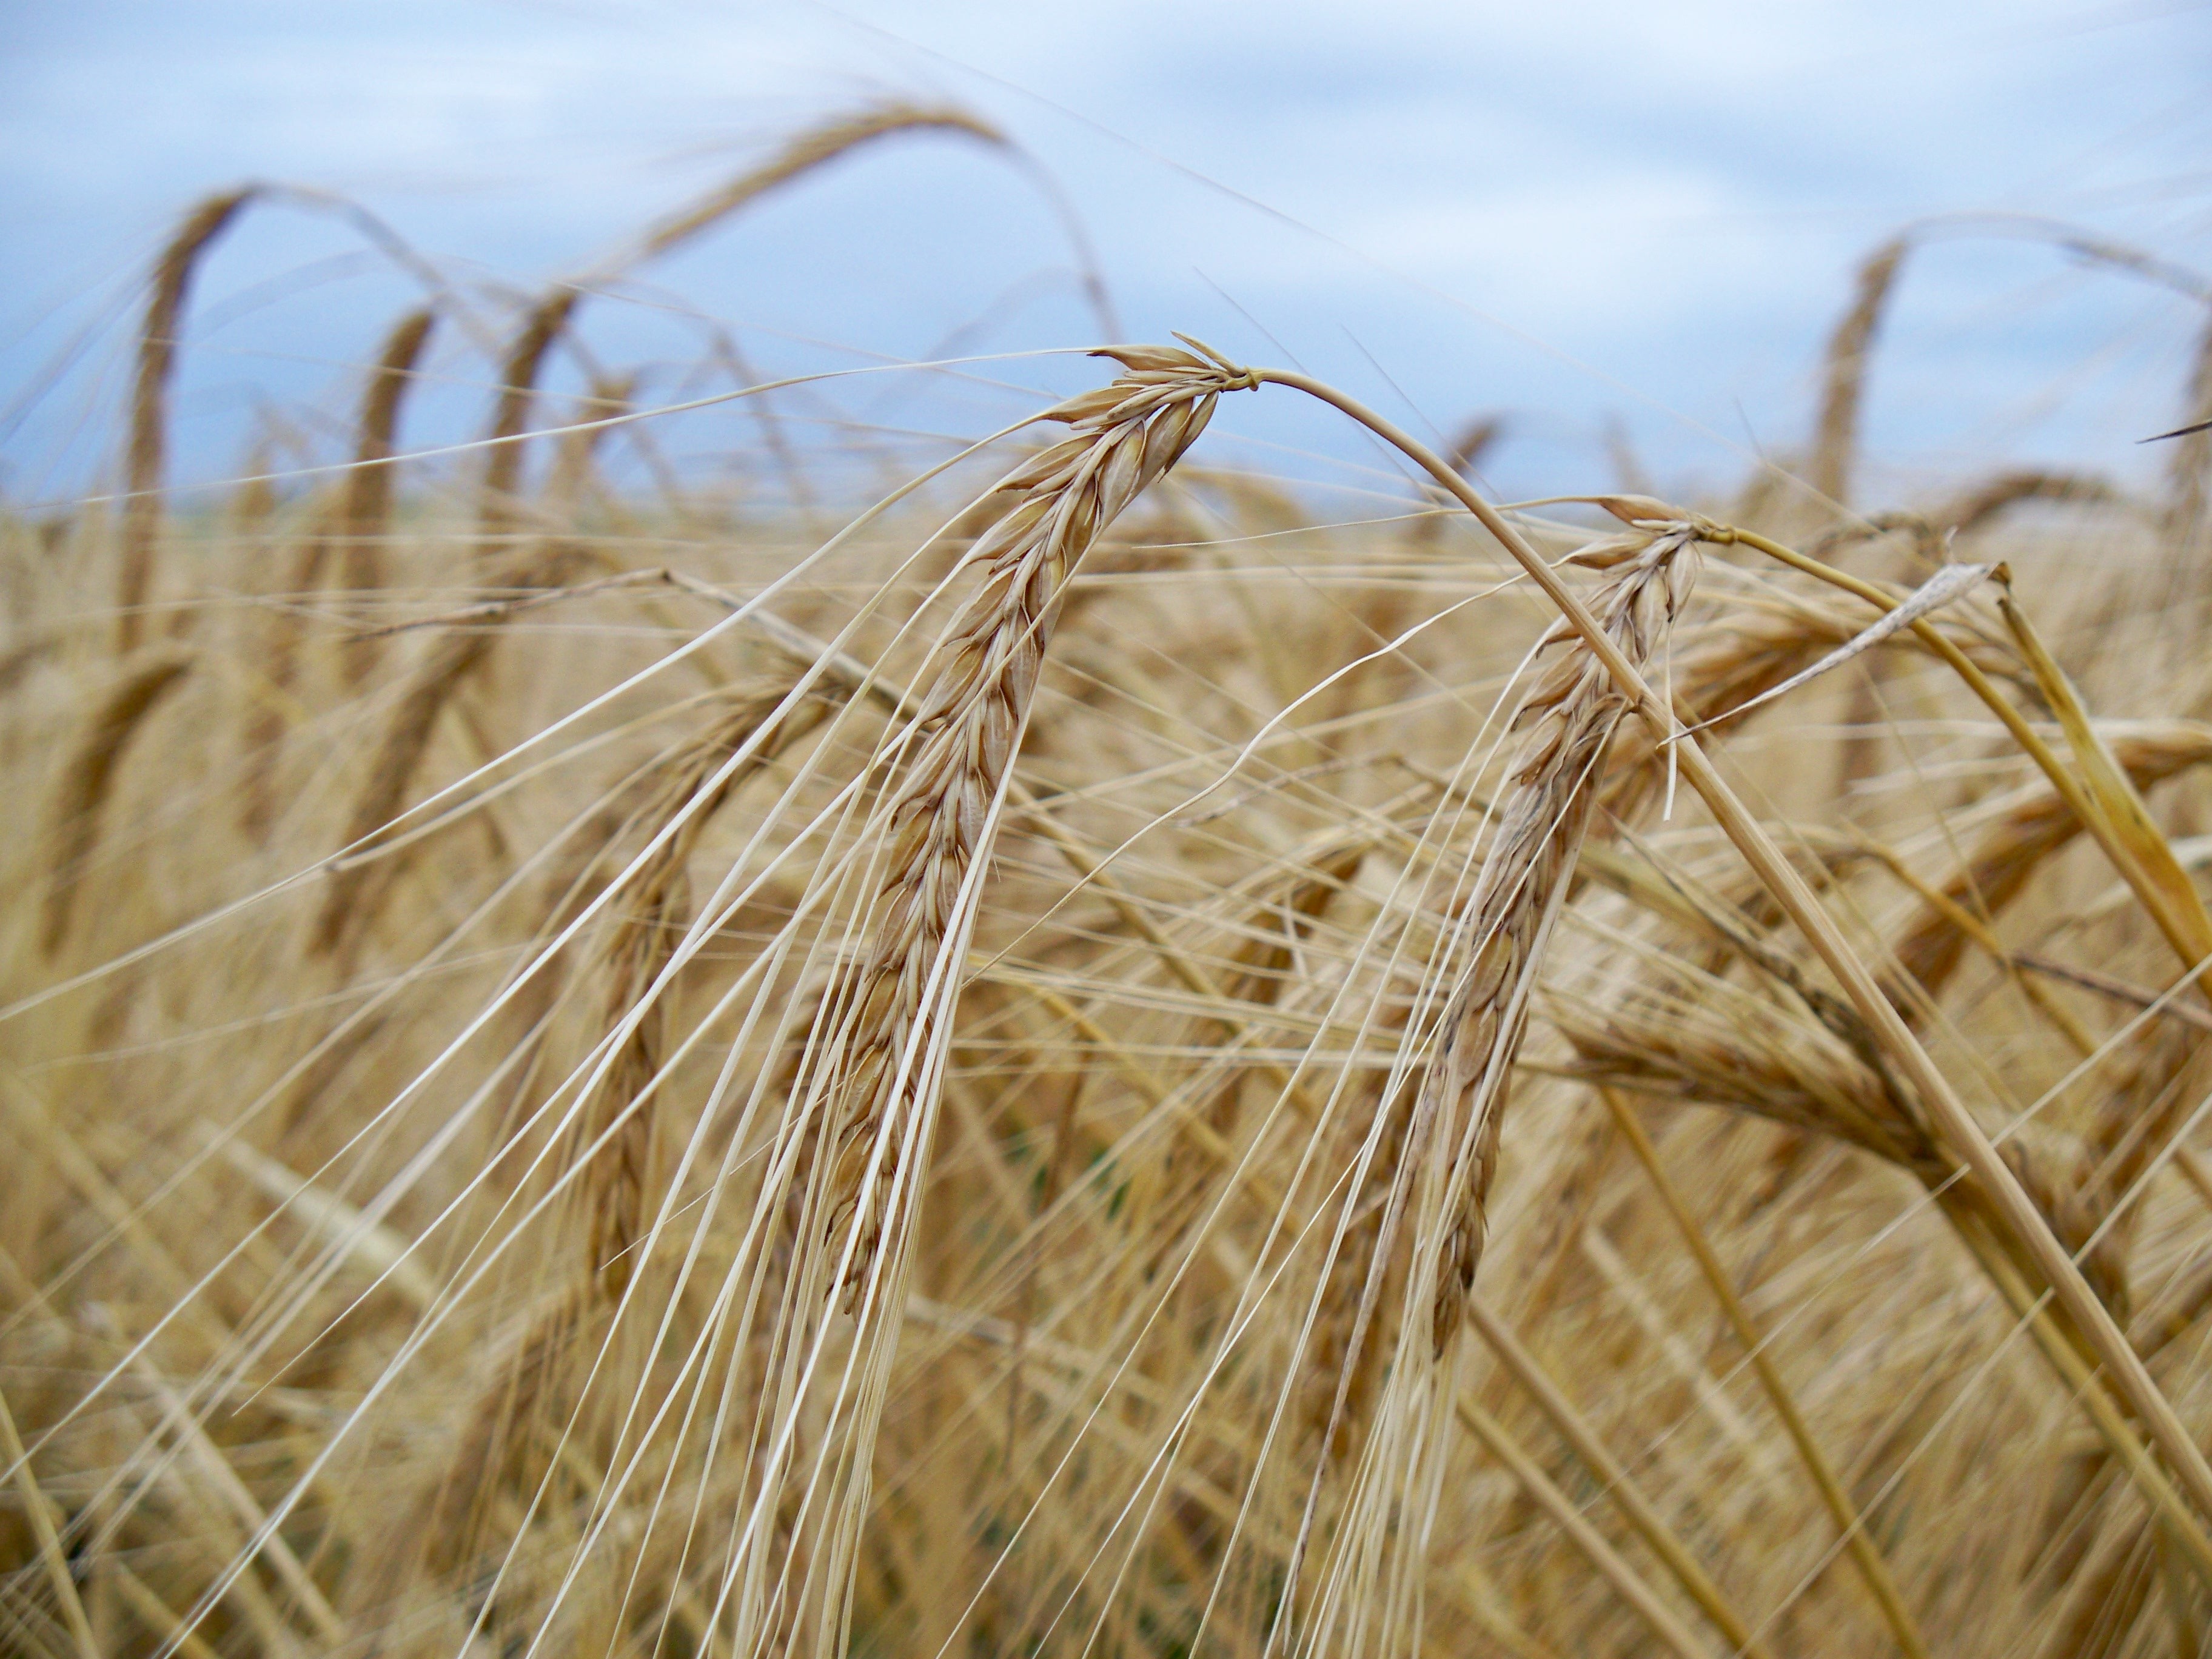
[2135,1116]
[1835,442]
[365,513]
[506,1438]
[802,154]
[1441,1183]
[542,324]
[350,900]
[149,404]
[251,514]
[1710,1041]
[87,781]
[641,940]
[939,822]
[1976,507]
[573,470]
[1543,812]
[866,1090]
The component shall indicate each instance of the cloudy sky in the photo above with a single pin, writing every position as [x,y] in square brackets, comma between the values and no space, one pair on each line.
[1592,217]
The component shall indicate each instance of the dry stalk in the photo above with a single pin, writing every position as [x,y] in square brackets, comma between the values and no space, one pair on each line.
[1873,1569]
[149,404]
[1577,1431]
[88,778]
[1661,1621]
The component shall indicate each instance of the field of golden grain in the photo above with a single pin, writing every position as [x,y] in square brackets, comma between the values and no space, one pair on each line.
[1082,1058]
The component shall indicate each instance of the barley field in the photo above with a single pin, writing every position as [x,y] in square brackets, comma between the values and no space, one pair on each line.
[1080,1052]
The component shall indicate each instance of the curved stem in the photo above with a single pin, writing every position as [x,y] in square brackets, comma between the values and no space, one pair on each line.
[1798,901]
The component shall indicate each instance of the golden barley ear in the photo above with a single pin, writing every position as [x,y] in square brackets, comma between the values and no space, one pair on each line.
[1851,346]
[364,516]
[158,339]
[88,778]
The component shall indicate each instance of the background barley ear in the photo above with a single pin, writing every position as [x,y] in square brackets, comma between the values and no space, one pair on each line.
[550,316]
[88,780]
[1835,438]
[640,942]
[364,514]
[1979,506]
[148,455]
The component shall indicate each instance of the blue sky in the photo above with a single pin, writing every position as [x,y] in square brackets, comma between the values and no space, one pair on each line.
[1586,216]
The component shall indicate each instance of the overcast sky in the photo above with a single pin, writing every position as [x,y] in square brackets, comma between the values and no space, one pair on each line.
[1585,214]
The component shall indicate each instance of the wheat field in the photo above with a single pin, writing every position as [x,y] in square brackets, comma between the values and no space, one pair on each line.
[1074,1054]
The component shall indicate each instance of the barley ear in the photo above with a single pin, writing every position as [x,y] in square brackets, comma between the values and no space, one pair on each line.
[149,404]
